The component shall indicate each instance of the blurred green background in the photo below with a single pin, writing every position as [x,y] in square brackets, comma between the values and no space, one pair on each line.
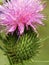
[43,57]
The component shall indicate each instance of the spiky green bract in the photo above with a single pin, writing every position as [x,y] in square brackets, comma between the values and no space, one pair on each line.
[22,48]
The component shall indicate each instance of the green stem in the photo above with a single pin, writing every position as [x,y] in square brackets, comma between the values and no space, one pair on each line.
[9,60]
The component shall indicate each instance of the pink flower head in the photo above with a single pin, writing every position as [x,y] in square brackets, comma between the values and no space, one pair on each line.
[20,14]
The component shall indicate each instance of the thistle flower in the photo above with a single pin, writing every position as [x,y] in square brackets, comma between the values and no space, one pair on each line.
[20,14]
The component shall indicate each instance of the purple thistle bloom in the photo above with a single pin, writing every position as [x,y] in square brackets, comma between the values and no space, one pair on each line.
[20,14]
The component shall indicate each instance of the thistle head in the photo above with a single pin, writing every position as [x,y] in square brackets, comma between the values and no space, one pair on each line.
[18,17]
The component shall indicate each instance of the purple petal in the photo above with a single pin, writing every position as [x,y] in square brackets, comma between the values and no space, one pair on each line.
[21,28]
